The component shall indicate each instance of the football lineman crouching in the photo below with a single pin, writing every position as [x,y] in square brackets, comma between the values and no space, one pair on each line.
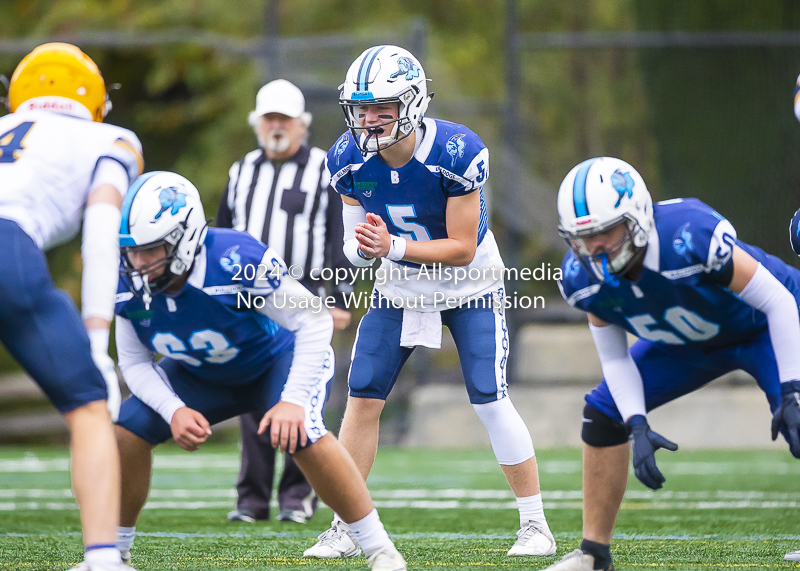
[702,304]
[221,359]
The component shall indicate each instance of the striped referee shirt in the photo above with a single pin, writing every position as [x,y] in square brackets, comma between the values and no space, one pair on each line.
[290,206]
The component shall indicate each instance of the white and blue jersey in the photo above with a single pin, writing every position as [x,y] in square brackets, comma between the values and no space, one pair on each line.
[206,328]
[222,358]
[681,296]
[449,161]
[691,327]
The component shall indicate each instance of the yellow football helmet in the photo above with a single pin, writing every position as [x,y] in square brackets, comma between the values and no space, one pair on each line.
[59,70]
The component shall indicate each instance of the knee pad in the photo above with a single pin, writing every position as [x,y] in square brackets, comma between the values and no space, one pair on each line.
[510,438]
[600,430]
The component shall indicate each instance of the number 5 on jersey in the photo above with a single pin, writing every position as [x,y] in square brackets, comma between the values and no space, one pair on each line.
[399,215]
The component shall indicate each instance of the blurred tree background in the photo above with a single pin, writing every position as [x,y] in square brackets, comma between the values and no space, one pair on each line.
[711,122]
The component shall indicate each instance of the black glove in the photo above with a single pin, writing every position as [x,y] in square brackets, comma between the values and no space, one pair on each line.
[788,416]
[644,443]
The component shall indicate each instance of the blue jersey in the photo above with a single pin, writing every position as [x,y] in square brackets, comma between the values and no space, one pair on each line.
[681,296]
[207,327]
[450,160]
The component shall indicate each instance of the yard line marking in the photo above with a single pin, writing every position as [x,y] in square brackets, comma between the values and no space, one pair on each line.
[186,504]
[430,535]
[387,496]
[179,462]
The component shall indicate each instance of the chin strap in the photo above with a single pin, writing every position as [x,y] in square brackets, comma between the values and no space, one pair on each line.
[607,276]
[146,296]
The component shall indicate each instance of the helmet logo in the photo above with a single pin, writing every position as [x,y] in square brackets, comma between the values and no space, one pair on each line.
[682,242]
[170,197]
[341,145]
[455,147]
[572,267]
[407,67]
[230,258]
[622,183]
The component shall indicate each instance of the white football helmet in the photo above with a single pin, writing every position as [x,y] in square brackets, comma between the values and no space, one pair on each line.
[384,74]
[161,208]
[597,195]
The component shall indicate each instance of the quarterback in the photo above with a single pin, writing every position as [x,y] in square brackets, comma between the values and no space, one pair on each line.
[701,302]
[60,166]
[412,189]
[178,298]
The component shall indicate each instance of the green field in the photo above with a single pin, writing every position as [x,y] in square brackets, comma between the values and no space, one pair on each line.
[445,510]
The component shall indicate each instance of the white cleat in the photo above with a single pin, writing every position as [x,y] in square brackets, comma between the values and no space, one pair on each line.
[386,559]
[793,556]
[126,556]
[576,561]
[533,540]
[83,566]
[336,542]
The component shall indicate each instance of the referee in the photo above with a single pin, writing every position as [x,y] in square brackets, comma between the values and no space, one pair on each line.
[280,193]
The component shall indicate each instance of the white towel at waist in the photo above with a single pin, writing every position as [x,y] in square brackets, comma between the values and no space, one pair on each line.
[421,328]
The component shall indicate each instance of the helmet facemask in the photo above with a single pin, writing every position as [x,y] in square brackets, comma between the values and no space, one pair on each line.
[617,259]
[374,139]
[139,280]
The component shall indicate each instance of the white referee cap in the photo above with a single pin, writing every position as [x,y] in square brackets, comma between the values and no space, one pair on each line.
[280,96]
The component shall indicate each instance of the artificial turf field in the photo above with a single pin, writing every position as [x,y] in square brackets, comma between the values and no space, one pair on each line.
[445,509]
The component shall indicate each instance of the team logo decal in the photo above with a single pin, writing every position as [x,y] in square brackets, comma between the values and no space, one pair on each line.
[623,184]
[455,147]
[573,266]
[230,258]
[341,145]
[407,67]
[170,197]
[683,242]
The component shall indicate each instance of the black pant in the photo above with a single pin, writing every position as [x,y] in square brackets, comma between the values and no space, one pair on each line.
[254,487]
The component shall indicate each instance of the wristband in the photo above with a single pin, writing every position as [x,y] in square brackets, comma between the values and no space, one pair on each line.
[397,250]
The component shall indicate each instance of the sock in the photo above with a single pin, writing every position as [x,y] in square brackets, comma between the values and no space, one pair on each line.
[125,537]
[370,533]
[600,551]
[105,554]
[531,509]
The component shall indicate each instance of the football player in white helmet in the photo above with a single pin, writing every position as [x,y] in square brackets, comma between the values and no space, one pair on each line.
[701,303]
[412,193]
[60,168]
[238,335]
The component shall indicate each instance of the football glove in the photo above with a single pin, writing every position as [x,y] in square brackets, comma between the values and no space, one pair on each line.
[788,416]
[644,443]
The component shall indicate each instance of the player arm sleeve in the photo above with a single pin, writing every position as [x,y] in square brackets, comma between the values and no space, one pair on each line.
[351,216]
[311,323]
[621,373]
[100,244]
[334,230]
[145,379]
[767,294]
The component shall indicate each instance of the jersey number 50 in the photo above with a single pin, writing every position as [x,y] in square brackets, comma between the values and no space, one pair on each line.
[214,343]
[685,322]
